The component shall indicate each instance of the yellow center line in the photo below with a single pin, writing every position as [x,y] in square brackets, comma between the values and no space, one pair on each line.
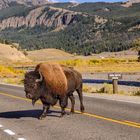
[128,123]
[136,123]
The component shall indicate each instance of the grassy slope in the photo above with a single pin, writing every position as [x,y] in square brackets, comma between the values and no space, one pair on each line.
[7,52]
[48,54]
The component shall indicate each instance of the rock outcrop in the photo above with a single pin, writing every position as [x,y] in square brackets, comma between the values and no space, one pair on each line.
[3,4]
[41,16]
[33,2]
[134,1]
[130,3]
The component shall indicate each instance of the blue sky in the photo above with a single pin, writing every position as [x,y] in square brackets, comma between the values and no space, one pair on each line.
[90,0]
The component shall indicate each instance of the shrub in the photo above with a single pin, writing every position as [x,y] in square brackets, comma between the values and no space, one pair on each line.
[107,88]
[89,89]
[137,92]
[93,61]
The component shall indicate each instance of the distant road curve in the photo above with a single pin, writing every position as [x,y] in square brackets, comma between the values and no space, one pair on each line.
[100,81]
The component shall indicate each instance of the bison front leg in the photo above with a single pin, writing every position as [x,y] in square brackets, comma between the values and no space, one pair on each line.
[44,113]
[63,103]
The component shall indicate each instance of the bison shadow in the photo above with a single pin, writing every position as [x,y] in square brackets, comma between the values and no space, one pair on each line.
[27,113]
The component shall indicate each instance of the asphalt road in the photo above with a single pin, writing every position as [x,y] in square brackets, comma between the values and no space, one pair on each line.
[103,119]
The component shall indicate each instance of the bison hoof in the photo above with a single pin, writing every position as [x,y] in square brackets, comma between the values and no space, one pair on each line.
[42,117]
[82,109]
[63,114]
[72,112]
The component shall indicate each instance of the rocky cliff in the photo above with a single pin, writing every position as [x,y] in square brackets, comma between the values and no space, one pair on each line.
[134,1]
[130,3]
[33,2]
[3,4]
[41,16]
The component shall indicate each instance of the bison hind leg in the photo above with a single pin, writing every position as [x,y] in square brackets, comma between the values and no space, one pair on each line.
[80,94]
[82,108]
[72,99]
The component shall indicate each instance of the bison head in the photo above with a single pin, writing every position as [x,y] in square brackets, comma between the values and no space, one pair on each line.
[32,85]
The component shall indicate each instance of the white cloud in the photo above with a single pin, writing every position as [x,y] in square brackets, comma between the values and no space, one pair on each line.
[73,1]
[54,1]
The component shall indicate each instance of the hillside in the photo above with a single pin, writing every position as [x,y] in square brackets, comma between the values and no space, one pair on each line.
[48,54]
[85,28]
[9,53]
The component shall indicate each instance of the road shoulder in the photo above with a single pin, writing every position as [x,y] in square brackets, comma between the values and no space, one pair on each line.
[115,97]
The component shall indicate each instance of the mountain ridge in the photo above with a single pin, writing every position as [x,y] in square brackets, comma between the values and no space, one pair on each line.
[84,28]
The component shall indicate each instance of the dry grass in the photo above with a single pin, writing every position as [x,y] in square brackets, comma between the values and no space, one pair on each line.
[104,65]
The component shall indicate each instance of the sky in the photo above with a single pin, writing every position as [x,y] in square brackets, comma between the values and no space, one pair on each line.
[79,1]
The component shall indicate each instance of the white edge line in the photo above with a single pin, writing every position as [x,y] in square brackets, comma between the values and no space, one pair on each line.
[1,126]
[21,139]
[8,131]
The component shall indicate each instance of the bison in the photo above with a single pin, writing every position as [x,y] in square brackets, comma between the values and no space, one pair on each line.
[53,82]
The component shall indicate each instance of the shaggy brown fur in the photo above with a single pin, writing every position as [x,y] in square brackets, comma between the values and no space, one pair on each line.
[54,77]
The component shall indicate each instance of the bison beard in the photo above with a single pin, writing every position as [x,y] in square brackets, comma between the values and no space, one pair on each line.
[53,82]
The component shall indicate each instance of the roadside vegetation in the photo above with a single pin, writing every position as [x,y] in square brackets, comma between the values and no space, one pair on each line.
[137,92]
[104,65]
[11,75]
[108,89]
[10,72]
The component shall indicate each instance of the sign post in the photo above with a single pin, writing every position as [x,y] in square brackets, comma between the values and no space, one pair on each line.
[115,77]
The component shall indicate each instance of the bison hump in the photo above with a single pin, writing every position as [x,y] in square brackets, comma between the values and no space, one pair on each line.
[54,77]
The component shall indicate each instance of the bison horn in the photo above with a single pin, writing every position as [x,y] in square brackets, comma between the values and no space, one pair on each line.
[41,78]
